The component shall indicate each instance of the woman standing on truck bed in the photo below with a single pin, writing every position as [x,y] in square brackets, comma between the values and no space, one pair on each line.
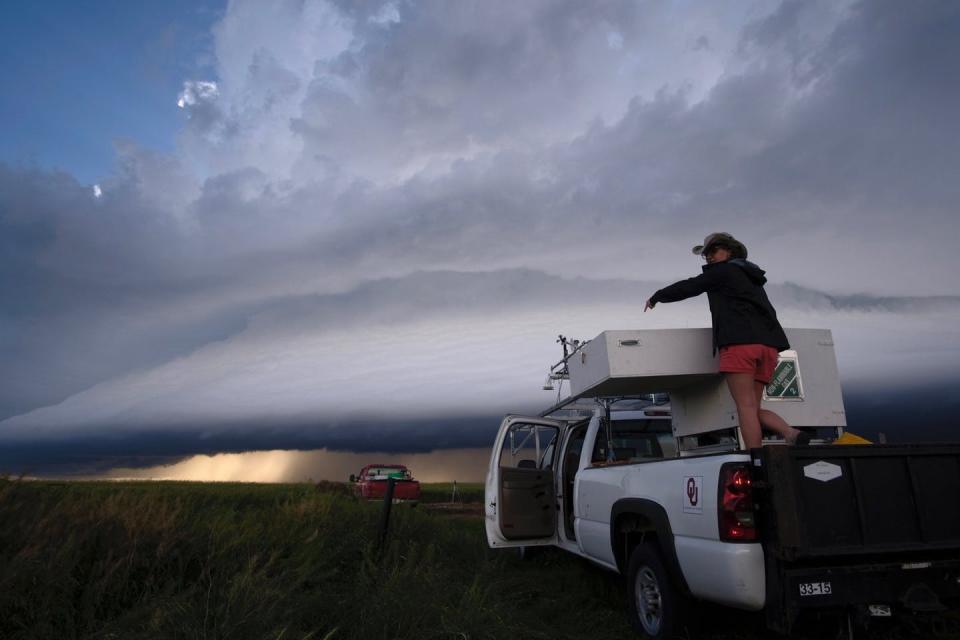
[745,330]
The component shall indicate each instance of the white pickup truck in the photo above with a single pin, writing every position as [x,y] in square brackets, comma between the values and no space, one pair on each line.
[668,497]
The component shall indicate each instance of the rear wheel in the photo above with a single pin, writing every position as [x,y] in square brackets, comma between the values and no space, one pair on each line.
[655,605]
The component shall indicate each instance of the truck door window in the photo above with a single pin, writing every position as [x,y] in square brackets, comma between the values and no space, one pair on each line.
[632,441]
[528,446]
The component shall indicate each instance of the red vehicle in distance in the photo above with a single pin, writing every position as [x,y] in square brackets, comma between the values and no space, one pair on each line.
[371,483]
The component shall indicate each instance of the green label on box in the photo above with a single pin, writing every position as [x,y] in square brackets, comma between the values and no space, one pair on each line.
[786,381]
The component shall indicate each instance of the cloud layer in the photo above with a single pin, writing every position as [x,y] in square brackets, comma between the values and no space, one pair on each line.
[447,344]
[391,207]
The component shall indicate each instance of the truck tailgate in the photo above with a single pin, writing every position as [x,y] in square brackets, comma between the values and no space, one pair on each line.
[830,501]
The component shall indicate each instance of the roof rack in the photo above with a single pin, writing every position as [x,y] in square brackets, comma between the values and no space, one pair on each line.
[583,406]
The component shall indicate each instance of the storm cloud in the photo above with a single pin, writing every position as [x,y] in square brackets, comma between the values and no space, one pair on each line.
[385,212]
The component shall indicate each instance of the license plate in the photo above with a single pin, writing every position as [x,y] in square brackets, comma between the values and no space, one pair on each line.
[815,589]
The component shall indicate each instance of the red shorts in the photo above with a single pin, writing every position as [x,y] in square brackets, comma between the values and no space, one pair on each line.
[758,359]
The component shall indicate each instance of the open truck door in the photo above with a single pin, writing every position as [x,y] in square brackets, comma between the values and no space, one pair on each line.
[521,495]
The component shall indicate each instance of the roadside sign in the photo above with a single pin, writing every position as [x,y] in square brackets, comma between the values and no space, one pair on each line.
[786,383]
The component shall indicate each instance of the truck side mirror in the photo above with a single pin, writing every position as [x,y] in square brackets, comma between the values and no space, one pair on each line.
[353,478]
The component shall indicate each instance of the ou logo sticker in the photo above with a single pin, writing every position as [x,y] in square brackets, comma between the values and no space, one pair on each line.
[691,494]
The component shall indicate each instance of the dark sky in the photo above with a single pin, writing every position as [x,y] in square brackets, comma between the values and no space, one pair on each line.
[367,221]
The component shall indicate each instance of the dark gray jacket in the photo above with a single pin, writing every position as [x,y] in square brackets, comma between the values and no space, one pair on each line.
[741,311]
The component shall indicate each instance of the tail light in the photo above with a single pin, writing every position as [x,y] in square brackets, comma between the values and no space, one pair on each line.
[735,504]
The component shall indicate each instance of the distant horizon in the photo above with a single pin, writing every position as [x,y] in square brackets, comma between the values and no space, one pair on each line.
[906,414]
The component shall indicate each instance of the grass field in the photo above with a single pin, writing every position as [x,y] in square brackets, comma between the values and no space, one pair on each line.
[195,560]
[443,492]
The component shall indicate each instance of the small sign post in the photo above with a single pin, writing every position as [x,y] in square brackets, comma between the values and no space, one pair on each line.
[385,514]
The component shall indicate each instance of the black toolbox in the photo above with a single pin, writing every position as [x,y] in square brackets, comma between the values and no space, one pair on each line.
[858,525]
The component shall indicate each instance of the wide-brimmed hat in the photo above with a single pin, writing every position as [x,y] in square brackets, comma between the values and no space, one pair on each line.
[737,248]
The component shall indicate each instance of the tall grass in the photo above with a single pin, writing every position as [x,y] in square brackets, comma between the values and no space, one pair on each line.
[444,492]
[204,561]
[191,560]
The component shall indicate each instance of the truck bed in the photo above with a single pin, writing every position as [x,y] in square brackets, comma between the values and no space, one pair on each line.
[833,501]
[846,526]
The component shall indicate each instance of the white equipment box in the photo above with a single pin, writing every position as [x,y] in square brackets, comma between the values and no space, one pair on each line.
[805,390]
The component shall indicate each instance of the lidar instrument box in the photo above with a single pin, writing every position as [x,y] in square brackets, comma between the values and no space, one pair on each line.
[805,390]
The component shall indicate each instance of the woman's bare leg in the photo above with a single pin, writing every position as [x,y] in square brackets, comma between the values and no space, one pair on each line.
[770,420]
[741,387]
